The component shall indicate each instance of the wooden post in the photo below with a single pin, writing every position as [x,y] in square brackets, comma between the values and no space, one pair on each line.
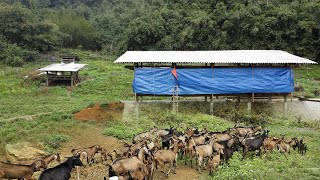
[205,98]
[211,104]
[249,106]
[47,81]
[285,106]
[71,79]
[270,98]
[136,106]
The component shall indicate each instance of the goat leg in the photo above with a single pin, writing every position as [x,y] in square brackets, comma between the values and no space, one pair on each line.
[78,172]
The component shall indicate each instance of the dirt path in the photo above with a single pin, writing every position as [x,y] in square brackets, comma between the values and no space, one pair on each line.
[94,135]
[27,117]
[182,173]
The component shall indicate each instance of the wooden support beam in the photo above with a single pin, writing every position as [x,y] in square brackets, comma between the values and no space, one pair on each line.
[71,79]
[249,106]
[285,106]
[211,104]
[47,81]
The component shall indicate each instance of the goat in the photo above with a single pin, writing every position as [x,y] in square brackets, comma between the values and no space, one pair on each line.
[203,151]
[214,161]
[62,171]
[47,160]
[199,139]
[270,144]
[141,137]
[124,165]
[191,143]
[169,156]
[166,138]
[283,147]
[254,144]
[14,171]
[219,136]
[189,150]
[302,147]
[228,152]
[141,174]
[243,131]
[90,152]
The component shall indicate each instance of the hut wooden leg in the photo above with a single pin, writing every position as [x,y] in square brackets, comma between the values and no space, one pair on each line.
[71,79]
[285,106]
[249,106]
[211,104]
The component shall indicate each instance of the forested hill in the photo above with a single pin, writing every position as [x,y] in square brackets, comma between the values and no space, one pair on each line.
[114,26]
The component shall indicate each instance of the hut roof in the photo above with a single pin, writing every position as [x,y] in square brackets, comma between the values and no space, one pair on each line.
[226,56]
[70,67]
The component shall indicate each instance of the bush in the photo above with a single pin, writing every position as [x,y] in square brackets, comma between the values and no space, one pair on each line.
[14,55]
[54,141]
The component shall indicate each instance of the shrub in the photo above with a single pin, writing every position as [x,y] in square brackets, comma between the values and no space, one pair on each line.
[54,141]
[14,55]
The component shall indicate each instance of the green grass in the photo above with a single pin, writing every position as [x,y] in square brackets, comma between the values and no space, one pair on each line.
[309,78]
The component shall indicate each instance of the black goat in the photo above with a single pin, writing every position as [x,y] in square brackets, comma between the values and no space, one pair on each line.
[228,152]
[254,144]
[62,171]
[166,138]
[302,147]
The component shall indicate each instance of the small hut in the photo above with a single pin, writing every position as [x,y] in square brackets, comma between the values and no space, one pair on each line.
[63,71]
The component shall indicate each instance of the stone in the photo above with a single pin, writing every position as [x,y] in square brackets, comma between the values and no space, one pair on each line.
[22,152]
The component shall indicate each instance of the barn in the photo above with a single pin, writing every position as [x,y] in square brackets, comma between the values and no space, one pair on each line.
[239,73]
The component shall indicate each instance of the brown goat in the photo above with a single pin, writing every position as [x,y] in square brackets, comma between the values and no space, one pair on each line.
[221,136]
[200,139]
[215,161]
[270,144]
[142,137]
[141,174]
[90,152]
[125,165]
[243,131]
[189,150]
[47,160]
[13,171]
[168,156]
[284,147]
[203,151]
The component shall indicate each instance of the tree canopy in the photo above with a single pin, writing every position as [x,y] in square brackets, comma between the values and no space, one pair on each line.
[115,26]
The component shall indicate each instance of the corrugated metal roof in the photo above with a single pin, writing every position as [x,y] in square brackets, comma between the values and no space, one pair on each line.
[71,67]
[228,56]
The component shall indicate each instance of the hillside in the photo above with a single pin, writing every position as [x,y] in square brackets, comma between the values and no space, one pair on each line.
[105,82]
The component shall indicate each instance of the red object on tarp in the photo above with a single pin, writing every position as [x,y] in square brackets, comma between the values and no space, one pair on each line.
[174,72]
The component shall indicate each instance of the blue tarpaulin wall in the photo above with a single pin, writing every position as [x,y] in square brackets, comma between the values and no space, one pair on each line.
[197,81]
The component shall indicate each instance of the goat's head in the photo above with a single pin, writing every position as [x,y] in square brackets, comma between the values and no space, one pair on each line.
[76,161]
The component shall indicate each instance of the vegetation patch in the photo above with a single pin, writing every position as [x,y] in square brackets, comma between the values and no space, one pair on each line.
[55,141]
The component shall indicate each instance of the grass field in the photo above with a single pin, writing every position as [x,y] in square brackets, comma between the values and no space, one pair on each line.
[106,82]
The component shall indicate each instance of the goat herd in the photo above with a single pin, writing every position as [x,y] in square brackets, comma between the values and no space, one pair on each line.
[153,149]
